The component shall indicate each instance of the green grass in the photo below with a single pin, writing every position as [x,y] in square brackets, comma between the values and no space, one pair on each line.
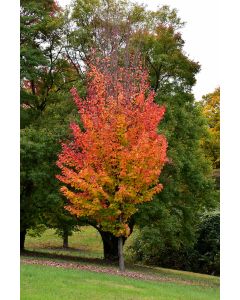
[50,283]
[85,248]
[84,243]
[87,243]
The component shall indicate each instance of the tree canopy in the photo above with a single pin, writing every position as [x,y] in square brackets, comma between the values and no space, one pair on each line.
[114,163]
[211,109]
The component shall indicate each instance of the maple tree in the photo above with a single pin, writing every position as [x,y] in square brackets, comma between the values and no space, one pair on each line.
[114,163]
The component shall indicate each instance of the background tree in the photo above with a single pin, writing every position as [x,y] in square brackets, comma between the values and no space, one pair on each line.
[211,109]
[41,202]
[170,220]
[46,77]
[41,29]
[207,247]
[202,256]
[174,238]
[114,163]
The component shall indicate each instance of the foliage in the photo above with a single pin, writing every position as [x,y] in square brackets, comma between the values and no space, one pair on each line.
[189,187]
[202,256]
[40,46]
[37,231]
[114,163]
[34,179]
[211,109]
[170,220]
[41,203]
[208,245]
[169,224]
[172,216]
[45,79]
[170,68]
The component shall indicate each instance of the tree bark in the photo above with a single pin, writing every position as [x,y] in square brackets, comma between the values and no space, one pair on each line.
[65,239]
[120,254]
[22,239]
[110,245]
[110,242]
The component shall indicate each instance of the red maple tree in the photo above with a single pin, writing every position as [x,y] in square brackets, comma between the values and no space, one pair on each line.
[115,162]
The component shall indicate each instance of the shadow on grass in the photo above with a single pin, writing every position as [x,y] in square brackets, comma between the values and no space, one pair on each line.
[98,261]
[166,274]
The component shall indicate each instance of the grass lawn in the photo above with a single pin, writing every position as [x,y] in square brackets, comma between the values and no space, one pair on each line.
[51,283]
[85,248]
[85,243]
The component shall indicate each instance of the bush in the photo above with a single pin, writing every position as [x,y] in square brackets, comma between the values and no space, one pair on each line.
[208,245]
[202,255]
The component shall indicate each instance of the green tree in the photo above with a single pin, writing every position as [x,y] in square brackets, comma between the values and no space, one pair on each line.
[40,47]
[41,202]
[189,189]
[211,110]
[46,77]
[187,178]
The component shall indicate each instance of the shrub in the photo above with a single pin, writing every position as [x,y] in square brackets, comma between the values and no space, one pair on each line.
[152,245]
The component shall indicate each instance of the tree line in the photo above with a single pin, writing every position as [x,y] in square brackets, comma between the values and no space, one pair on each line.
[56,46]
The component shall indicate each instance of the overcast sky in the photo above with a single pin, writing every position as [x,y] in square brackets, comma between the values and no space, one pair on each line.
[201,36]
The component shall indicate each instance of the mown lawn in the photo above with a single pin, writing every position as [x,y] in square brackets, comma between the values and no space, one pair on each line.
[85,243]
[85,248]
[51,283]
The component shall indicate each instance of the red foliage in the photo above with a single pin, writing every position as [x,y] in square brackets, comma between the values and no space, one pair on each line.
[115,162]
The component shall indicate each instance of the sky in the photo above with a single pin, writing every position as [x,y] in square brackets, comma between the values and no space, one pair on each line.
[201,36]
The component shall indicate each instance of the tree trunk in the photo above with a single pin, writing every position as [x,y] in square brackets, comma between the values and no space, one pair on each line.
[65,239]
[110,245]
[110,242]
[120,254]
[22,239]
